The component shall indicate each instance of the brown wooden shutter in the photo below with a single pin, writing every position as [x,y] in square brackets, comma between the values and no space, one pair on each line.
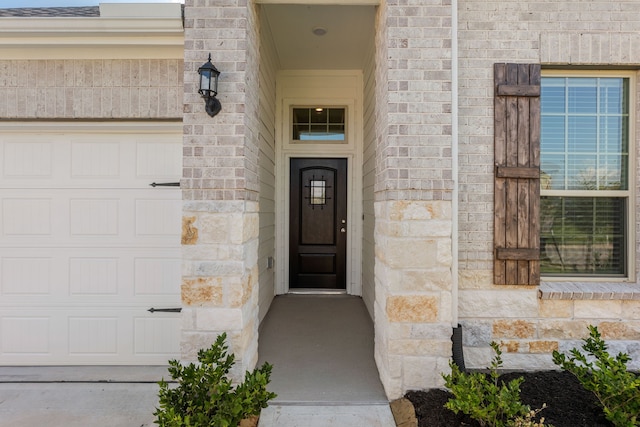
[517,174]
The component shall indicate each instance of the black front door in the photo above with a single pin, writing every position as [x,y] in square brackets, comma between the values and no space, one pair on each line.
[318,228]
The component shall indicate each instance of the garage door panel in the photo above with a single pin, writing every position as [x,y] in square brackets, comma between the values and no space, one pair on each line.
[86,336]
[25,335]
[157,217]
[157,276]
[26,276]
[96,218]
[25,159]
[156,159]
[105,275]
[156,335]
[93,276]
[26,216]
[89,160]
[95,159]
[92,335]
[87,246]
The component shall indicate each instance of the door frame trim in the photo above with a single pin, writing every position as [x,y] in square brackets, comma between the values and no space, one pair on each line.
[309,87]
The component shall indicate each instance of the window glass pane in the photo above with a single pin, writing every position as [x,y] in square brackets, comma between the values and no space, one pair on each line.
[581,95]
[318,116]
[613,173]
[592,136]
[299,130]
[582,172]
[612,129]
[553,92]
[301,115]
[582,236]
[318,124]
[553,173]
[552,130]
[582,135]
[612,96]
[336,115]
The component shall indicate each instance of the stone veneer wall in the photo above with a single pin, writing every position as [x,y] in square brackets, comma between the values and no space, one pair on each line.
[91,89]
[413,306]
[220,182]
[530,322]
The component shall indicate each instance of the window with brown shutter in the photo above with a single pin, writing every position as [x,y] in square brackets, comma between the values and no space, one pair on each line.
[517,174]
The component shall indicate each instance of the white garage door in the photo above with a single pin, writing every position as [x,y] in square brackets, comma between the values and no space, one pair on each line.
[88,247]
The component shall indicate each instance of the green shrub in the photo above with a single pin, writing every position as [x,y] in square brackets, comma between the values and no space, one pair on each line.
[204,396]
[486,399]
[617,389]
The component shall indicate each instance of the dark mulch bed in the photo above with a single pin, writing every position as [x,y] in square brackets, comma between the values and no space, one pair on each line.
[568,403]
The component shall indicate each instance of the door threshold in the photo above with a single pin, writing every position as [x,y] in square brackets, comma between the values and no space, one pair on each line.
[317,291]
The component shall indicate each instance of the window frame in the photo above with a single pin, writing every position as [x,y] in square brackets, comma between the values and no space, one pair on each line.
[299,142]
[629,194]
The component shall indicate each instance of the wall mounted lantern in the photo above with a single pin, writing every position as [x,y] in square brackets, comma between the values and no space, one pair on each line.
[209,87]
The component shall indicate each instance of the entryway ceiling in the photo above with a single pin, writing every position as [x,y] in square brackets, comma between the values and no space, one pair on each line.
[345,45]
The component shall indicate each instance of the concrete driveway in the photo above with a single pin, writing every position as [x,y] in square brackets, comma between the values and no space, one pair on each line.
[77,404]
[79,396]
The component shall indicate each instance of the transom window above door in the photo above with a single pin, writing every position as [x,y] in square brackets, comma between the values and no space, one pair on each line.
[319,124]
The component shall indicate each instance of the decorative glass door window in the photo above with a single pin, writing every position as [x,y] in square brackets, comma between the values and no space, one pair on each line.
[317,124]
[317,192]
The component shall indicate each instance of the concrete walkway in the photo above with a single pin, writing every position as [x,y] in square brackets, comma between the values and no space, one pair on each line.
[327,416]
[321,348]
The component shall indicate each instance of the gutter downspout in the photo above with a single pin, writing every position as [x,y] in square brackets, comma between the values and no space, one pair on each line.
[454,162]
[456,338]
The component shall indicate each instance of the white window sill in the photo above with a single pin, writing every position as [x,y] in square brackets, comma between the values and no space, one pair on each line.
[588,290]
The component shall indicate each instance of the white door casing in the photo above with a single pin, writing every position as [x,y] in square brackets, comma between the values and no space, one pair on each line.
[87,246]
[320,88]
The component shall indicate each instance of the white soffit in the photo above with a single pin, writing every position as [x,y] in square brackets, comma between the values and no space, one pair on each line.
[346,35]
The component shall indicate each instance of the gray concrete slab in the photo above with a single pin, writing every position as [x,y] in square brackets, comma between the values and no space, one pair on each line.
[326,416]
[77,404]
[321,349]
[83,373]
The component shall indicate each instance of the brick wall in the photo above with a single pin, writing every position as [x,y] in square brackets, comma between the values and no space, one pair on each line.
[413,305]
[220,182]
[414,161]
[555,33]
[91,89]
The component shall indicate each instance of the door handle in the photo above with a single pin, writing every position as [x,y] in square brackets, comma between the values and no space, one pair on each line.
[343,230]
